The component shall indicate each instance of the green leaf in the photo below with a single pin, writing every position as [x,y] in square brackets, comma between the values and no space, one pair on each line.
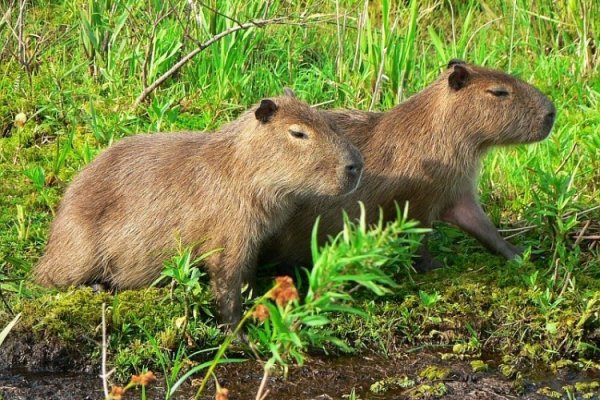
[315,320]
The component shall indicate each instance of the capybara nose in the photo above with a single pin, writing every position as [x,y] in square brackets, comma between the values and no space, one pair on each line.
[353,173]
[354,169]
[355,163]
[549,118]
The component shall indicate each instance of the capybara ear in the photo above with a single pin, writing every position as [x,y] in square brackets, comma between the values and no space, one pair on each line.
[266,110]
[459,77]
[455,61]
[288,92]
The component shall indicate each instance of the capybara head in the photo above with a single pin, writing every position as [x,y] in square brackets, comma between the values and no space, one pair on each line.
[496,108]
[304,154]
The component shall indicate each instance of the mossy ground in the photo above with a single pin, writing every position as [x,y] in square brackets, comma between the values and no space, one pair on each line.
[480,313]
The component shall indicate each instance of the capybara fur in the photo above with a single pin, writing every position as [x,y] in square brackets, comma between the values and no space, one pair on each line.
[126,212]
[427,151]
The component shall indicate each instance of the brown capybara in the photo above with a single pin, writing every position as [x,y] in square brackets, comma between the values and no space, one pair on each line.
[427,151]
[125,212]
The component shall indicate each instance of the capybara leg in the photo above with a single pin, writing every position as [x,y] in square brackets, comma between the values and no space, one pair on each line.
[71,255]
[99,288]
[425,261]
[228,289]
[69,260]
[468,215]
[250,280]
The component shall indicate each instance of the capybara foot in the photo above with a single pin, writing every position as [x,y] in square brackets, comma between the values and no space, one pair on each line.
[426,264]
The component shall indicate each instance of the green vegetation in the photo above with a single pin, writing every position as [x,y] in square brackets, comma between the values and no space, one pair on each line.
[70,75]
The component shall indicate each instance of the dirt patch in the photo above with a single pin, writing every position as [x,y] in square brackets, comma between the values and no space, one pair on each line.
[22,385]
[326,378]
[25,353]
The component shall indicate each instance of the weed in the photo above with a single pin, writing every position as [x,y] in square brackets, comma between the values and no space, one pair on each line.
[186,273]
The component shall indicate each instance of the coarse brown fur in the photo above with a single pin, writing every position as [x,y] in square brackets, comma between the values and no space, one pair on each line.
[123,215]
[426,151]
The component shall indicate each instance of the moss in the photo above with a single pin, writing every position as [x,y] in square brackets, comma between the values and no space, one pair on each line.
[463,349]
[593,386]
[549,393]
[146,326]
[76,313]
[434,372]
[425,391]
[479,366]
[67,316]
[140,325]
[147,309]
[518,383]
[588,364]
[475,314]
[391,383]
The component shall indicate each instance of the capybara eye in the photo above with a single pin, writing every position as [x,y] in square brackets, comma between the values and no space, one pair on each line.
[498,92]
[298,134]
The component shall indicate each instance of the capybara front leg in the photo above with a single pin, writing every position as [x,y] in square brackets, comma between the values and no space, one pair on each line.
[424,260]
[229,299]
[468,215]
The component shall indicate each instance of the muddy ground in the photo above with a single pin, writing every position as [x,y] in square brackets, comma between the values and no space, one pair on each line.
[321,378]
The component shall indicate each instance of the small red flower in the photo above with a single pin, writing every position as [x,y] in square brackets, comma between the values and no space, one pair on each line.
[116,393]
[143,379]
[222,394]
[261,313]
[284,291]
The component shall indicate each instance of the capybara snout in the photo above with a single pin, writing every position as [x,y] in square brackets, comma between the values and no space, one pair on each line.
[541,110]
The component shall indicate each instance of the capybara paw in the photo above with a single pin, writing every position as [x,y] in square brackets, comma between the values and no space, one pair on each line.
[99,288]
[517,250]
[242,338]
[423,265]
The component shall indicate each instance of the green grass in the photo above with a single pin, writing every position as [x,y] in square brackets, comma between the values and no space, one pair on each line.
[92,60]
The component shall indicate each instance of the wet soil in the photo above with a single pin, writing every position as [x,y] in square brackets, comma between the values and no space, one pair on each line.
[321,378]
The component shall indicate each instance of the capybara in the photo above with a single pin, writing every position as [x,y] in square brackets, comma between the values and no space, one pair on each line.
[427,151]
[125,212]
